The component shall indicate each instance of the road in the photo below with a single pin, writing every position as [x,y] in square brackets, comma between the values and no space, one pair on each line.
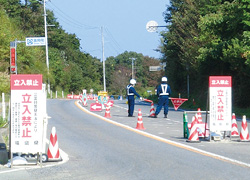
[100,150]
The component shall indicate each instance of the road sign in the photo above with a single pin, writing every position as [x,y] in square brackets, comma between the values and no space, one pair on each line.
[13,60]
[95,107]
[35,41]
[220,93]
[27,113]
[155,68]
[177,102]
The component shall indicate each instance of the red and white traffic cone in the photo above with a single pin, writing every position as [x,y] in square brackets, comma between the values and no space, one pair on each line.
[139,121]
[107,113]
[244,135]
[198,115]
[234,129]
[193,135]
[152,110]
[53,150]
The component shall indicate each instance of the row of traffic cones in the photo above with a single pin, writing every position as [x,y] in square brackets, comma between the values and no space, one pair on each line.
[244,134]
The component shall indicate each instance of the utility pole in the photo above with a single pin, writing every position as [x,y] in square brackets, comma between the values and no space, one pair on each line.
[133,76]
[46,35]
[46,41]
[103,61]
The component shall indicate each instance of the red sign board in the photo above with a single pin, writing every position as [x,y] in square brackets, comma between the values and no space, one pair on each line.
[13,60]
[177,102]
[76,97]
[26,82]
[95,107]
[69,96]
[220,81]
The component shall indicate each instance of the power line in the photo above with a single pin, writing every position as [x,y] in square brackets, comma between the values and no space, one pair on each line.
[70,20]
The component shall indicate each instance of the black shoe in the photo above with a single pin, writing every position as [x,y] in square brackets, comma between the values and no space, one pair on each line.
[165,116]
[130,116]
[155,116]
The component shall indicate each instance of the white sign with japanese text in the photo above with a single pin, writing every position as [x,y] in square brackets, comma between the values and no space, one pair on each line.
[220,93]
[27,112]
[35,41]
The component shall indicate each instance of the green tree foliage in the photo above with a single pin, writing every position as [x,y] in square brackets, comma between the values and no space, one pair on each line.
[120,72]
[70,69]
[209,37]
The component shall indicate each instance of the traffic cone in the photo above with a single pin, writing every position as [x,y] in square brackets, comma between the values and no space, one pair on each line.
[139,121]
[244,135]
[107,113]
[152,110]
[198,115]
[234,130]
[193,135]
[53,150]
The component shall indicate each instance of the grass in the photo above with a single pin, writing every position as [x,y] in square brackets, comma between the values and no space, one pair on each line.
[2,122]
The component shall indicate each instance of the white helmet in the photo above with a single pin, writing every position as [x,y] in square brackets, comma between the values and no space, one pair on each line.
[132,81]
[164,79]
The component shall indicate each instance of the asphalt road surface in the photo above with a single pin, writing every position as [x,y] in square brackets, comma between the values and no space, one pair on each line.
[99,150]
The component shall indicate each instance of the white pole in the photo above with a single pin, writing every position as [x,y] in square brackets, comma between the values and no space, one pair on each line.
[133,59]
[62,95]
[46,35]
[3,106]
[103,61]
[56,94]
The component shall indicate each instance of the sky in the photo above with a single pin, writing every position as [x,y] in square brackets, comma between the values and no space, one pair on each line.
[123,21]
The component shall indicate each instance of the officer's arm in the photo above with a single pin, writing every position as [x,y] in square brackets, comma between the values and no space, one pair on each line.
[134,91]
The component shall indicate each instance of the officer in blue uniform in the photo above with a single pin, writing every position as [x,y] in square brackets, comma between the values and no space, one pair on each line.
[163,92]
[131,100]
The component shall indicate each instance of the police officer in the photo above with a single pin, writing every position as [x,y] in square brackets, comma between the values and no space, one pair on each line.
[131,100]
[163,92]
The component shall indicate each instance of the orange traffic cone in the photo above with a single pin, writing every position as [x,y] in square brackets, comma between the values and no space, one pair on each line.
[139,121]
[107,113]
[199,118]
[234,130]
[152,110]
[193,135]
[53,150]
[244,135]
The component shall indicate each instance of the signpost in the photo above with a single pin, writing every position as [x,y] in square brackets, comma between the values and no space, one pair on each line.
[27,113]
[220,93]
[35,41]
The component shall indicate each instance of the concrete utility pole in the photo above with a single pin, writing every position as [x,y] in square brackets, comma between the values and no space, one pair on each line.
[46,35]
[133,75]
[103,61]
